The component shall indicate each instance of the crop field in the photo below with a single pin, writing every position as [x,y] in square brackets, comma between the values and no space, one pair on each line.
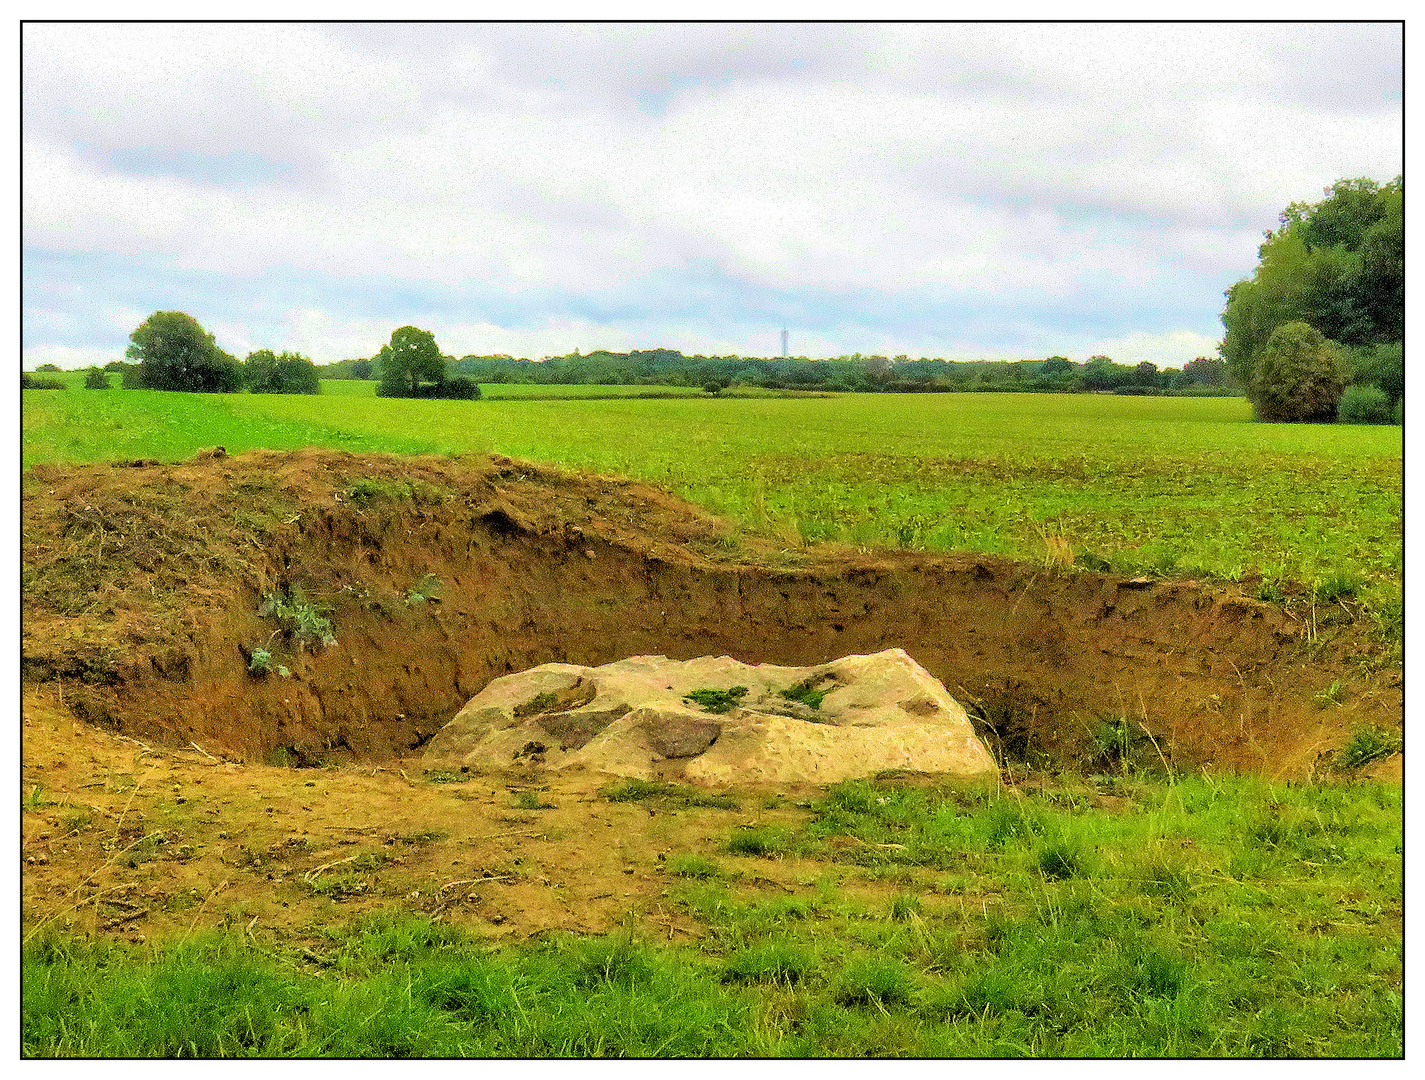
[1172,486]
[195,901]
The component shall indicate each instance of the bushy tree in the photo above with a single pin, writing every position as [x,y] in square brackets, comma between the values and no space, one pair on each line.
[95,378]
[410,359]
[1299,375]
[1338,265]
[412,366]
[287,373]
[173,352]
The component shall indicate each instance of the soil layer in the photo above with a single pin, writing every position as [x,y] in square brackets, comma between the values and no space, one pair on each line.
[143,588]
[170,783]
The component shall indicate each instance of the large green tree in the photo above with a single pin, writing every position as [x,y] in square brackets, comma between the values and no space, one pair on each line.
[1299,375]
[411,358]
[174,352]
[1337,265]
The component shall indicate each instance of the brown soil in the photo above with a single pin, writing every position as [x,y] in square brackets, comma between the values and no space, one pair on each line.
[152,745]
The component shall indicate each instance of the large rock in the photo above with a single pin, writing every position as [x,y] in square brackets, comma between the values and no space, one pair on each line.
[635,718]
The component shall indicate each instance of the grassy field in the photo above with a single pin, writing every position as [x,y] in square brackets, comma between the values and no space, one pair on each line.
[1185,486]
[1119,914]
[1217,917]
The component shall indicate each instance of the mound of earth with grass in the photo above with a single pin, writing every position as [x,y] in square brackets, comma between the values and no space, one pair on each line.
[318,607]
[715,720]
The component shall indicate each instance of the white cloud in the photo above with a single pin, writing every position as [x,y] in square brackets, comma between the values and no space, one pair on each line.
[1029,183]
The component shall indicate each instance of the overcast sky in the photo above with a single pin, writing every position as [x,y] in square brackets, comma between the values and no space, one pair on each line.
[960,191]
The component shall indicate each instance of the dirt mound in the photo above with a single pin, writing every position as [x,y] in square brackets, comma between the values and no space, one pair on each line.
[715,720]
[318,605]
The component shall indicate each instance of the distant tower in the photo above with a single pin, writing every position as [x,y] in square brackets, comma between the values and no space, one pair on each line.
[784,343]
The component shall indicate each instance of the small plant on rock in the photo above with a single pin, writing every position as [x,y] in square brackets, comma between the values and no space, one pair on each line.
[717,701]
[804,693]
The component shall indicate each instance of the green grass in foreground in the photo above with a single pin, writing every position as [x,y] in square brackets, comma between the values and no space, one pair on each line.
[1207,917]
[1181,486]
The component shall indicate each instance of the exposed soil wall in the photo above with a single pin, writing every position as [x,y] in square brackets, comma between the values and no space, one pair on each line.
[142,587]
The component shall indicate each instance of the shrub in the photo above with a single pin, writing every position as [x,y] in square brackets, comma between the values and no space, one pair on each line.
[1298,377]
[287,373]
[96,379]
[29,382]
[1364,405]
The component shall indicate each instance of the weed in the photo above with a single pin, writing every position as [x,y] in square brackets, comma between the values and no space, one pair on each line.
[1058,860]
[1332,695]
[717,701]
[904,906]
[765,842]
[1367,744]
[1269,590]
[804,693]
[35,800]
[427,588]
[447,776]
[876,981]
[780,963]
[634,790]
[299,617]
[260,663]
[694,866]
[541,702]
[613,960]
[530,800]
[1337,586]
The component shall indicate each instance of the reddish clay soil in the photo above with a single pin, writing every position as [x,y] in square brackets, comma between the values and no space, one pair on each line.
[159,758]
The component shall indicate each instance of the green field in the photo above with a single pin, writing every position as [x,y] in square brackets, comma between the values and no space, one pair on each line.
[1207,918]
[1181,486]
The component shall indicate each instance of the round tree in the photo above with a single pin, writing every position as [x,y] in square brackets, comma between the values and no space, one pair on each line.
[175,353]
[1298,376]
[410,359]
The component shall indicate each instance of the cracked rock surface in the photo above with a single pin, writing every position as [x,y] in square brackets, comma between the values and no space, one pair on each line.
[715,720]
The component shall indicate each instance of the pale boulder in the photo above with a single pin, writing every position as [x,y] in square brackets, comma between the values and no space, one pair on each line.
[634,718]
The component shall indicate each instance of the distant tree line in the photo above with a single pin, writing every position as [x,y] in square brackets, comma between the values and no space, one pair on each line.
[1317,332]
[865,374]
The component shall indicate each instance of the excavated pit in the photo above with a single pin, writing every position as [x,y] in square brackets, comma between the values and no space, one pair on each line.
[142,587]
